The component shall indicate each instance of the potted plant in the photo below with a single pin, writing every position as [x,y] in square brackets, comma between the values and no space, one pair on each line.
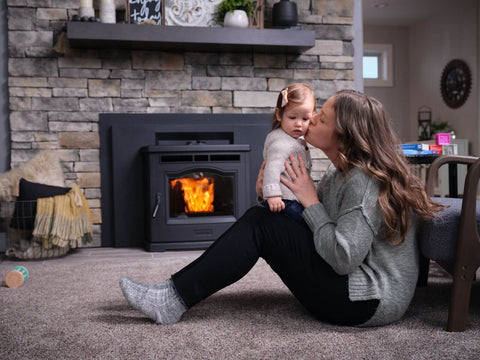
[235,13]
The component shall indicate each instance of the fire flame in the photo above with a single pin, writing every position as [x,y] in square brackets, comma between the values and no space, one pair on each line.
[197,193]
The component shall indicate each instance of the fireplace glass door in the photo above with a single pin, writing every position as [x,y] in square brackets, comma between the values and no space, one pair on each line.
[201,194]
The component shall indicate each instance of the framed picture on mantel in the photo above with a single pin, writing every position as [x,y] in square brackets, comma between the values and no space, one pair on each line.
[145,11]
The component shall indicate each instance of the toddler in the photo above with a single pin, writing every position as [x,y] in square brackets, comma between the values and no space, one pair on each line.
[296,104]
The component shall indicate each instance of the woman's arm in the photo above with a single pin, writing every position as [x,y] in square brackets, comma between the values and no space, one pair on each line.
[345,242]
[259,183]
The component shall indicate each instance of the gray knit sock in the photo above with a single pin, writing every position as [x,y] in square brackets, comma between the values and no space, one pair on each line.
[151,285]
[164,305]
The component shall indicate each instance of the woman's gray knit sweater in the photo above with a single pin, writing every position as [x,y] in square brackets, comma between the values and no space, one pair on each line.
[348,227]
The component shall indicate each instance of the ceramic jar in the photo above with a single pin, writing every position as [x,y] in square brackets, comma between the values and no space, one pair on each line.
[237,18]
[284,14]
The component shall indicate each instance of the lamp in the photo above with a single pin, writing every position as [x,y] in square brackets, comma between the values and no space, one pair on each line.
[424,123]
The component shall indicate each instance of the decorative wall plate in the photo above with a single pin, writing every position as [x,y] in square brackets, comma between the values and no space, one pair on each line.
[191,12]
[456,83]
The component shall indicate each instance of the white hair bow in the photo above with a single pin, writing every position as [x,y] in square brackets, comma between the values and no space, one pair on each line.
[284,93]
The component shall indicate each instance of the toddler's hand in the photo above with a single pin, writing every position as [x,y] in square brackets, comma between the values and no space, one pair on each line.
[276,203]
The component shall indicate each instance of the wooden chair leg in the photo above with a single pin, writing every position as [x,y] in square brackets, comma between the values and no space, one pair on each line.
[459,301]
[424,266]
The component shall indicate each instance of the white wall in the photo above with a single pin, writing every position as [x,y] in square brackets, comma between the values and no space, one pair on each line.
[395,99]
[433,44]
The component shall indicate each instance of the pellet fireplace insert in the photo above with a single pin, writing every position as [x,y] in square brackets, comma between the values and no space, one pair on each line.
[177,181]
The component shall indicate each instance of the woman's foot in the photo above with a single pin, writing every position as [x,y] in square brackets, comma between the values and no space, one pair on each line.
[163,305]
[150,285]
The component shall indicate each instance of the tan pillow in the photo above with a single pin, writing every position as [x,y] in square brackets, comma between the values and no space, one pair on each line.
[43,168]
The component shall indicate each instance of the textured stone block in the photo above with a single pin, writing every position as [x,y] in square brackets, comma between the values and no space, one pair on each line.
[206,98]
[70,126]
[79,63]
[96,216]
[55,104]
[69,92]
[152,60]
[168,80]
[277,84]
[84,73]
[23,136]
[333,8]
[89,180]
[51,14]
[164,102]
[254,98]
[96,105]
[90,155]
[45,136]
[191,109]
[67,83]
[20,18]
[278,73]
[206,83]
[130,105]
[73,116]
[159,110]
[194,58]
[103,88]
[28,120]
[226,110]
[20,103]
[269,60]
[118,63]
[334,32]
[130,93]
[127,74]
[29,92]
[236,59]
[244,83]
[25,39]
[28,81]
[229,70]
[83,166]
[78,140]
[33,67]
[132,84]
[326,47]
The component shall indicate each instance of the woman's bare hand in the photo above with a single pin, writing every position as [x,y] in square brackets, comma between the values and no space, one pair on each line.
[259,183]
[301,184]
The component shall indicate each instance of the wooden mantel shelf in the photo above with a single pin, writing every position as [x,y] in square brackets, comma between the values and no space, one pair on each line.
[184,38]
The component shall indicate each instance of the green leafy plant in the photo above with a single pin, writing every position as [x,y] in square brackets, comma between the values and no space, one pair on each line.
[440,127]
[230,5]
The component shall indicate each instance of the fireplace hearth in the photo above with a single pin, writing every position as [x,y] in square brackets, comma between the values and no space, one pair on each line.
[146,161]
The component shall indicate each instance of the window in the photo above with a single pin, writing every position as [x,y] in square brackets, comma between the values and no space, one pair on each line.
[377,65]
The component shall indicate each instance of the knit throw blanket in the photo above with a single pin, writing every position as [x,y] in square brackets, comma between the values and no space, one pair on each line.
[63,220]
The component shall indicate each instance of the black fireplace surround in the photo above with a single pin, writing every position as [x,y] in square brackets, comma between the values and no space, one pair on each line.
[139,153]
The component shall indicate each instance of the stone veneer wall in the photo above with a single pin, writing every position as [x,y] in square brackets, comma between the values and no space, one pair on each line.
[55,97]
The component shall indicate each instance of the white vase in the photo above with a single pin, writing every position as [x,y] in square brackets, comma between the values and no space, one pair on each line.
[107,11]
[237,18]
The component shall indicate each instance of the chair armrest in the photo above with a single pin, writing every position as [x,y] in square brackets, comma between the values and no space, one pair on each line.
[446,159]
[469,205]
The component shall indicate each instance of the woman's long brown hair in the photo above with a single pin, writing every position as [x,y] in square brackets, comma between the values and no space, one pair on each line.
[367,141]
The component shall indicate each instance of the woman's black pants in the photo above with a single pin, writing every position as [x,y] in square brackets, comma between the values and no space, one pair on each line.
[289,250]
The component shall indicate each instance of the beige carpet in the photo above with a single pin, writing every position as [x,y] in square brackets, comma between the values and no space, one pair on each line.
[77,311]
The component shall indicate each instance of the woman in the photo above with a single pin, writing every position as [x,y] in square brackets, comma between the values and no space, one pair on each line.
[355,264]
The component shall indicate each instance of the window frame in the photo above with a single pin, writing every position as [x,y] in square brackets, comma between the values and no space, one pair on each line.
[384,52]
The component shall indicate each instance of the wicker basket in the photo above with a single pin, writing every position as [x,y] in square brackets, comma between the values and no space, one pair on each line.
[18,220]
